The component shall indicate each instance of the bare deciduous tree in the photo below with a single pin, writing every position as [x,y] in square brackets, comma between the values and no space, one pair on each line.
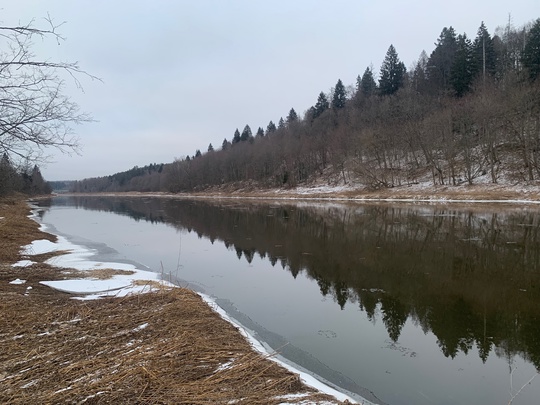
[35,113]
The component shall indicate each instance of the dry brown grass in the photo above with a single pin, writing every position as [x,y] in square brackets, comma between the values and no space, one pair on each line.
[162,347]
[16,229]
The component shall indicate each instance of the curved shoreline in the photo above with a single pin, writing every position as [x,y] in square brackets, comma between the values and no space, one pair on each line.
[121,285]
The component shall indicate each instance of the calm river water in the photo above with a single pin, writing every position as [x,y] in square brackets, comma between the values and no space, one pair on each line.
[403,304]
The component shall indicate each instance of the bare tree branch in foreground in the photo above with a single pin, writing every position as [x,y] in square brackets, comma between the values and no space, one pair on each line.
[35,114]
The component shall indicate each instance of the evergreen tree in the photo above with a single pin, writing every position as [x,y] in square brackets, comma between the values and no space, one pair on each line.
[340,97]
[246,134]
[198,153]
[270,128]
[483,52]
[369,86]
[358,83]
[9,178]
[531,52]
[236,137]
[281,123]
[321,106]
[225,145]
[392,74]
[292,117]
[260,132]
[441,61]
[462,73]
[210,148]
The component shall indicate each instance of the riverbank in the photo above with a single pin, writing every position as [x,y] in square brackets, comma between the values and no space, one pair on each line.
[422,192]
[164,346]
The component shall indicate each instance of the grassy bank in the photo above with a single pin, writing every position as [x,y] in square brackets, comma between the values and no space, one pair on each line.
[162,347]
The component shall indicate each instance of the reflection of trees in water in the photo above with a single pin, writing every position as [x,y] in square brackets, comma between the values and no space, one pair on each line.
[472,279]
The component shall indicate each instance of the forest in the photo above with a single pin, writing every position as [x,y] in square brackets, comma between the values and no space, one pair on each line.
[468,112]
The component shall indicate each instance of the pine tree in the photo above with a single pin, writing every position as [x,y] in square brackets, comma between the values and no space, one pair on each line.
[260,132]
[198,153]
[225,145]
[210,148]
[392,74]
[246,134]
[281,123]
[441,61]
[236,137]
[271,128]
[462,73]
[483,52]
[321,106]
[292,117]
[531,52]
[368,83]
[340,97]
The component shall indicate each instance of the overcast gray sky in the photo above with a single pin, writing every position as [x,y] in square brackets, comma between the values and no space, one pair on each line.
[178,75]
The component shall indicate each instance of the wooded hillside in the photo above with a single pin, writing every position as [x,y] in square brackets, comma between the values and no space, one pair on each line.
[468,112]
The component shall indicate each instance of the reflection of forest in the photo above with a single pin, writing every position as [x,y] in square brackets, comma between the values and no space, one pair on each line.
[472,279]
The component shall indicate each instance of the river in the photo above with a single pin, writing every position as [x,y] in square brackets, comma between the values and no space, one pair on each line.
[401,304]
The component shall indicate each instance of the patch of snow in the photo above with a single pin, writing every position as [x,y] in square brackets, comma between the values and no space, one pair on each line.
[17,281]
[23,263]
[62,390]
[39,246]
[29,384]
[85,286]
[140,327]
[77,258]
[225,366]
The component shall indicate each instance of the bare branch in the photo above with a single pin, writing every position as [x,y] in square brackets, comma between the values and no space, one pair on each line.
[35,114]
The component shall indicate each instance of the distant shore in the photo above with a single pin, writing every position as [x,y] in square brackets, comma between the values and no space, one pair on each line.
[478,193]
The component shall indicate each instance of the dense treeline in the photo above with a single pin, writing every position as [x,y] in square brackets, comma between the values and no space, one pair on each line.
[23,180]
[470,109]
[147,178]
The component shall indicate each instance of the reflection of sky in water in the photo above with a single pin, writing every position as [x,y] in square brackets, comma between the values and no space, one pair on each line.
[413,370]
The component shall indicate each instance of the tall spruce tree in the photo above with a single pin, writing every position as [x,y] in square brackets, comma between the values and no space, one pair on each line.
[271,127]
[484,57]
[260,132]
[246,134]
[292,117]
[368,85]
[462,73]
[225,145]
[236,137]
[392,74]
[441,61]
[340,96]
[531,52]
[321,106]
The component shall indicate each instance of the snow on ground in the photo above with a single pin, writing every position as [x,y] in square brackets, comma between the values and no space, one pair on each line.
[132,280]
[23,263]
